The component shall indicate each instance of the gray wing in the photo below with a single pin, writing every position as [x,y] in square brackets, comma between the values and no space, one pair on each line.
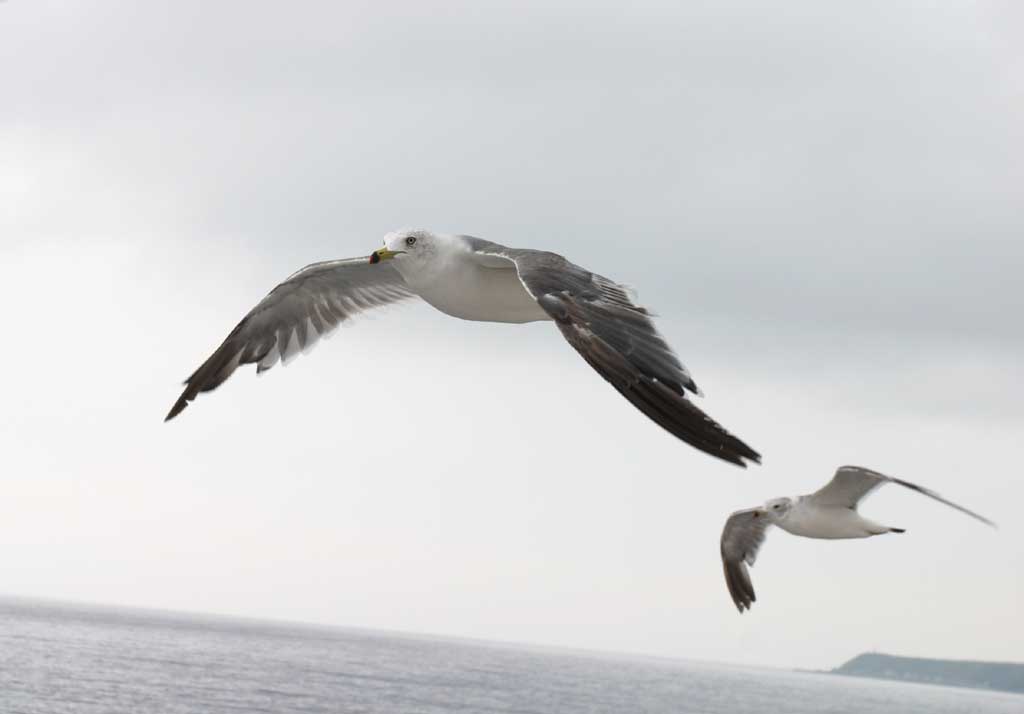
[852,483]
[294,315]
[742,537]
[618,339]
[849,485]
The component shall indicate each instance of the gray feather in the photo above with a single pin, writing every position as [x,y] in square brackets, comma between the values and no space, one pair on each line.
[294,316]
[742,537]
[619,340]
[851,484]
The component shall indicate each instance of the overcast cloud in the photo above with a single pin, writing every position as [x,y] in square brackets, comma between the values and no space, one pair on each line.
[821,201]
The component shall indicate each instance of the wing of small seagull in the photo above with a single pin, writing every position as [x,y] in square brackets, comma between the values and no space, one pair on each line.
[742,537]
[294,315]
[851,484]
[618,339]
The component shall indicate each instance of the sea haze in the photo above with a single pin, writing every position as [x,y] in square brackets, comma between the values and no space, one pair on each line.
[73,658]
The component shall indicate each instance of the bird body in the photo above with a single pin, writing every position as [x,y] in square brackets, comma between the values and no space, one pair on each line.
[475,279]
[826,522]
[464,287]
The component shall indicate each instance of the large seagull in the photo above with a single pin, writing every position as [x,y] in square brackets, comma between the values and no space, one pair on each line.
[475,279]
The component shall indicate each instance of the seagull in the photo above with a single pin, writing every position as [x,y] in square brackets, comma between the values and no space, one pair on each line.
[830,513]
[475,279]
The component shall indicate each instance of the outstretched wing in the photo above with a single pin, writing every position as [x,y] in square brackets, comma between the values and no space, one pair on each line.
[852,483]
[294,315]
[618,339]
[849,485]
[742,537]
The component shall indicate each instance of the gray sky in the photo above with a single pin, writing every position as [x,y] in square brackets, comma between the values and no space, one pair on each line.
[822,202]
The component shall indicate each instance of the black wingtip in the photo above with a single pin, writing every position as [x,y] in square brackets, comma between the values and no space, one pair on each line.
[736,453]
[897,530]
[178,408]
[754,459]
[684,420]
[731,458]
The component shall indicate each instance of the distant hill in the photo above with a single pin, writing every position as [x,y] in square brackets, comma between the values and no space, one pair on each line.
[1003,676]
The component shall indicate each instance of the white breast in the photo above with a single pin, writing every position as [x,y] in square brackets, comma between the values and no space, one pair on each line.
[832,522]
[462,288]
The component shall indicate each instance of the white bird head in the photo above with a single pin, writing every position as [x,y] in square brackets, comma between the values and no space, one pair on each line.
[409,248]
[778,508]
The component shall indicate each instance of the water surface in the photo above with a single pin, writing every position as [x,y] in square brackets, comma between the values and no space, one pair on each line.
[63,658]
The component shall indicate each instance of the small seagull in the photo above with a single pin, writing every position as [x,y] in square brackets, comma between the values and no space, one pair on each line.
[474,279]
[830,513]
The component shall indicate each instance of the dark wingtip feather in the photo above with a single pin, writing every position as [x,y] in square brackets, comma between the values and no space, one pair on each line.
[931,494]
[210,374]
[179,406]
[618,340]
[685,420]
[742,593]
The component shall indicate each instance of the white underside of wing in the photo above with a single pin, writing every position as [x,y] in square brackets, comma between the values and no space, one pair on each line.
[288,347]
[292,347]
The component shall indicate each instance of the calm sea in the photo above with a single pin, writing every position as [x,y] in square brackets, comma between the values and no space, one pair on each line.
[57,658]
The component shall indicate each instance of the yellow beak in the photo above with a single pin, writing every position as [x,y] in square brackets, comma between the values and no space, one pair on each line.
[383,254]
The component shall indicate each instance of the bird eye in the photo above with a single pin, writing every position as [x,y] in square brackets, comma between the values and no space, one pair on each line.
[410,241]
